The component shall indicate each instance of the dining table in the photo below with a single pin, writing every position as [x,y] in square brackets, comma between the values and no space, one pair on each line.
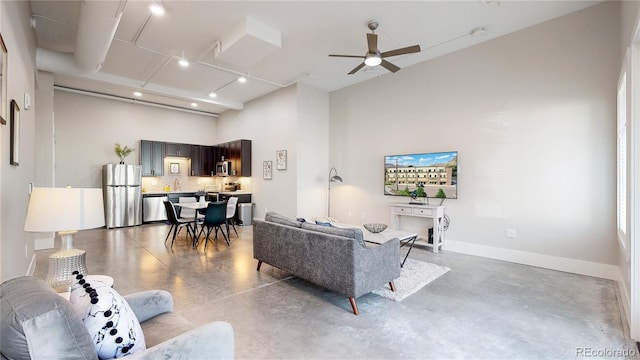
[197,206]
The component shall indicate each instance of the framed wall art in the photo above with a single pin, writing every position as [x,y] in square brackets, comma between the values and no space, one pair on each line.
[14,153]
[266,170]
[281,159]
[174,168]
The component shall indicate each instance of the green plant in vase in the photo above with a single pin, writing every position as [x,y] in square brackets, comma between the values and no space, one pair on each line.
[441,195]
[123,152]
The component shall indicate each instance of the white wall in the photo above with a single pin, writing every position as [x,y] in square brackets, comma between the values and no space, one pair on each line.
[532,115]
[312,151]
[16,246]
[270,122]
[45,148]
[88,127]
[630,23]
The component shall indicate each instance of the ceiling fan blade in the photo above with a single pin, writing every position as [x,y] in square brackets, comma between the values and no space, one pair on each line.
[389,66]
[355,70]
[372,41]
[402,51]
[348,56]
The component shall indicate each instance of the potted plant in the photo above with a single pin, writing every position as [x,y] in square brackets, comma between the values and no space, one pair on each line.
[441,195]
[201,194]
[123,152]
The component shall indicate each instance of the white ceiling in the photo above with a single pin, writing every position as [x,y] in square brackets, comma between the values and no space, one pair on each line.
[310,30]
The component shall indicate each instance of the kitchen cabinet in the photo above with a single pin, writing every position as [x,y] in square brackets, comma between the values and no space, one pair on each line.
[196,161]
[242,198]
[178,150]
[223,152]
[241,150]
[209,160]
[239,153]
[203,160]
[152,157]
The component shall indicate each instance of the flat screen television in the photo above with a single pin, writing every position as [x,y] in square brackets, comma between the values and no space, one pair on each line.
[432,175]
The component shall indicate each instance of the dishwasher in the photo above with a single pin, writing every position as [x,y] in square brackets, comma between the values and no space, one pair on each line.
[153,208]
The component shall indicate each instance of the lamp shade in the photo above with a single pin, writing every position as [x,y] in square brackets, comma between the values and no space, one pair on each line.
[64,209]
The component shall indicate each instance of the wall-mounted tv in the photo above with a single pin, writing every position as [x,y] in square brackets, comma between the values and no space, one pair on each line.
[433,175]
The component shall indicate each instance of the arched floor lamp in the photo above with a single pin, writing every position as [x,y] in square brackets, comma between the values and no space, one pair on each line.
[334,178]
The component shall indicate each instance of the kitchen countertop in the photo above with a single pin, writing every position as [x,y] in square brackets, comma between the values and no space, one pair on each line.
[156,193]
[237,192]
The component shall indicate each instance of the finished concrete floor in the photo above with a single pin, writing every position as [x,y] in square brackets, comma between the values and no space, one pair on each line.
[481,309]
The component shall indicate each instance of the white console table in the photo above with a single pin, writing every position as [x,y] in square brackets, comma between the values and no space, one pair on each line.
[434,212]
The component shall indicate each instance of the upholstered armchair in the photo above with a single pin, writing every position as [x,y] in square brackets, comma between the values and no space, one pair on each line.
[37,323]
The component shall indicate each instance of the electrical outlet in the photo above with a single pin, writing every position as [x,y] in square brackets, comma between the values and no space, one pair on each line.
[510,233]
[349,213]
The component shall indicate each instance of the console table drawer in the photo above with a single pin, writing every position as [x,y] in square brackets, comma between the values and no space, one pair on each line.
[423,212]
[402,210]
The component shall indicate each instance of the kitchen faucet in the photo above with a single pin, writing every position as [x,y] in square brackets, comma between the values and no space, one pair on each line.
[176,184]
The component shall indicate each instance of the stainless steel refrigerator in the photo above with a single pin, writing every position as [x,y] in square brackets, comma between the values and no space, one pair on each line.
[122,195]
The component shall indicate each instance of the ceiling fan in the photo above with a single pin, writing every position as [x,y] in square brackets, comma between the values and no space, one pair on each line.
[374,57]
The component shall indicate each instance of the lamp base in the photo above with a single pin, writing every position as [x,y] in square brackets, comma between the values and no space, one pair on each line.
[61,266]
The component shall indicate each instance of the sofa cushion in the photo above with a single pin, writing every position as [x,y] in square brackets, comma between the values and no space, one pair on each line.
[274,217]
[353,233]
[108,318]
[37,323]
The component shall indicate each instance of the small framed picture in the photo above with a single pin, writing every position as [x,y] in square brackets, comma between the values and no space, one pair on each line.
[174,168]
[281,159]
[266,170]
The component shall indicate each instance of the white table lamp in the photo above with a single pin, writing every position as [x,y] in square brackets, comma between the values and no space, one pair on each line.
[65,210]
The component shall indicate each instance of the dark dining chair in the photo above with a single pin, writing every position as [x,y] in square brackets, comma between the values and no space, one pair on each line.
[214,218]
[176,223]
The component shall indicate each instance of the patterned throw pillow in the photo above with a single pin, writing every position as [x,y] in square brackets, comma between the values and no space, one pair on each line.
[110,321]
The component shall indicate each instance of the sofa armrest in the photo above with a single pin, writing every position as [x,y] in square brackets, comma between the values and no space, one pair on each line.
[376,266]
[150,303]
[212,341]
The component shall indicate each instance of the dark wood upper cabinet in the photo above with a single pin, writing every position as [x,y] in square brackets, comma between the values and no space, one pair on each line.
[196,160]
[240,157]
[178,150]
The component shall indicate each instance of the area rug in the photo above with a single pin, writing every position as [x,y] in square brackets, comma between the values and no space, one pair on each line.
[413,276]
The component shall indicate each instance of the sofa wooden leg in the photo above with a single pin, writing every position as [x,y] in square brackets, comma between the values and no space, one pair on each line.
[393,287]
[354,306]
[259,264]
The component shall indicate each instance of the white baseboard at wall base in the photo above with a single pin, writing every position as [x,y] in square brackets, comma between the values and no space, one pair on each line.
[626,302]
[32,266]
[605,271]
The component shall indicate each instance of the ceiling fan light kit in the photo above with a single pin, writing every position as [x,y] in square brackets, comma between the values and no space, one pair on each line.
[374,57]
[373,60]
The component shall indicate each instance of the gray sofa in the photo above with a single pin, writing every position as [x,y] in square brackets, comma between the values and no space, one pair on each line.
[334,258]
[37,323]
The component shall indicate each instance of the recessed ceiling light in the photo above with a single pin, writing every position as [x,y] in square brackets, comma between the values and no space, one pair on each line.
[137,93]
[242,79]
[157,9]
[194,104]
[183,62]
[212,94]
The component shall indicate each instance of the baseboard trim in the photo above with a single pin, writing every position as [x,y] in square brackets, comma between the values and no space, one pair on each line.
[575,266]
[626,303]
[32,266]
